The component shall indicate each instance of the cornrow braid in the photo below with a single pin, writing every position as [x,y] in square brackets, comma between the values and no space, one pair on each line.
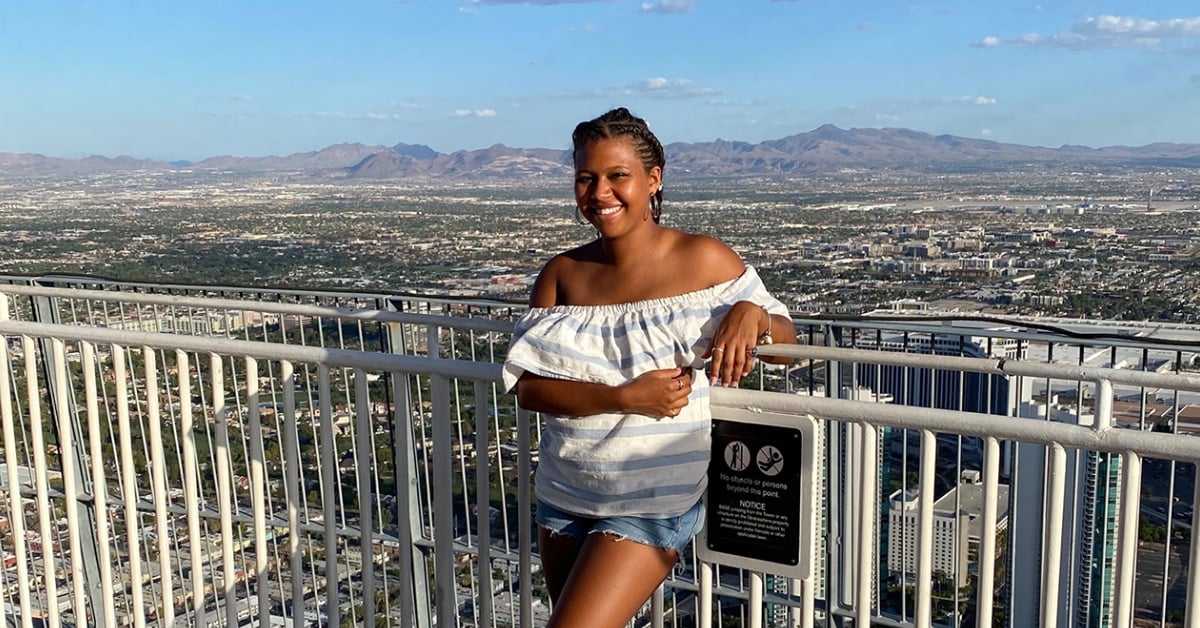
[620,123]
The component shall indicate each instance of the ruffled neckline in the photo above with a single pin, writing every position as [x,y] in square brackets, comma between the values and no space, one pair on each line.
[696,296]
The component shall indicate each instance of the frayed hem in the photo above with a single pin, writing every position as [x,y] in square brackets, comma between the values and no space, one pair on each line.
[615,536]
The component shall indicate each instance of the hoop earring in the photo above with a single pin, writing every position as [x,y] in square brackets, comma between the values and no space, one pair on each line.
[578,214]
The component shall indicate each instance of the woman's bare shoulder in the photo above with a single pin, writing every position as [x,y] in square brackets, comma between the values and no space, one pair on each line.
[711,258]
[560,270]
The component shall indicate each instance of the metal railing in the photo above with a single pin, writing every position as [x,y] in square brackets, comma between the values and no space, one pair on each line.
[305,460]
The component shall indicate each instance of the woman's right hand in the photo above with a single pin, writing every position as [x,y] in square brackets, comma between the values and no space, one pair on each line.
[658,393]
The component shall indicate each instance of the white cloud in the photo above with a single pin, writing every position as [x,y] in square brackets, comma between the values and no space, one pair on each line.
[734,102]
[344,115]
[1178,27]
[405,104]
[474,113]
[985,132]
[468,10]
[956,100]
[669,6]
[241,98]
[887,117]
[657,87]
[1106,31]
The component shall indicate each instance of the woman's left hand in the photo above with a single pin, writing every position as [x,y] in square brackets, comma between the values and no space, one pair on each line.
[734,344]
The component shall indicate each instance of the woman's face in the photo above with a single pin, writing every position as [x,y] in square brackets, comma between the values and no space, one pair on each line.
[612,186]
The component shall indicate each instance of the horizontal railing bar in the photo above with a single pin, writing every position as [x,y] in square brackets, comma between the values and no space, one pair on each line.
[317,292]
[491,372]
[1043,331]
[371,360]
[769,597]
[1110,439]
[299,309]
[995,366]
[1036,328]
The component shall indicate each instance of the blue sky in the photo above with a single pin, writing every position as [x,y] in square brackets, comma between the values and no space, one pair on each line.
[192,79]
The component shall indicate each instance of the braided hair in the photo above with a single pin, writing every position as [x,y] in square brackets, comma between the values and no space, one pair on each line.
[620,123]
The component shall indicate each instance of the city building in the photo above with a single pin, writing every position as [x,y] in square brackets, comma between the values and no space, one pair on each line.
[957,528]
[1089,544]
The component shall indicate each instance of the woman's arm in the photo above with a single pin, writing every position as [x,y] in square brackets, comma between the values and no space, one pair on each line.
[743,325]
[655,393]
[739,333]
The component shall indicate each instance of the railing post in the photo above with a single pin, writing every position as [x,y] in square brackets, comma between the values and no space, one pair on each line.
[414,601]
[45,310]
[987,539]
[1052,536]
[868,486]
[840,538]
[524,517]
[443,506]
[483,410]
[923,617]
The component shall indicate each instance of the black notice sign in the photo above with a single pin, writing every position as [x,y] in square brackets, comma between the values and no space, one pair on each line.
[754,491]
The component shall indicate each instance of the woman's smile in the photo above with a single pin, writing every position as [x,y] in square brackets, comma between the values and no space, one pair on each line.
[606,212]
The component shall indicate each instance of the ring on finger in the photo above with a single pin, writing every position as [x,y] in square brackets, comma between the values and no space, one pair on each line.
[720,349]
[752,351]
[680,383]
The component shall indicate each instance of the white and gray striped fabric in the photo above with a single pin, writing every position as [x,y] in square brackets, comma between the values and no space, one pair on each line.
[609,465]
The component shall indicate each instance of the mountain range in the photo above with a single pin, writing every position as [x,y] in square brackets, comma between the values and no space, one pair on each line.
[827,149]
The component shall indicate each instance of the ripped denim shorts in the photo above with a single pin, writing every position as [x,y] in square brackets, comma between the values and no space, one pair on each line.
[668,533]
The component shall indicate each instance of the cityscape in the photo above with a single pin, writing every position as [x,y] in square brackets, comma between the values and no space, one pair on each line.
[1059,244]
[1059,248]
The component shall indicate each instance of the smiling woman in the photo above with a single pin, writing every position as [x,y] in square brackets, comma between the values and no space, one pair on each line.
[617,330]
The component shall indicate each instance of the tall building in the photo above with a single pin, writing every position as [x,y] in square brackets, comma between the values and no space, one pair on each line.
[957,529]
[939,388]
[1089,542]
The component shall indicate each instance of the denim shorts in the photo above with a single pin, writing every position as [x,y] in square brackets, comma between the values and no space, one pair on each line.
[668,533]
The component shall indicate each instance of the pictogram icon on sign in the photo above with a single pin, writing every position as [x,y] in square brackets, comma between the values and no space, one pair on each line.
[737,455]
[769,460]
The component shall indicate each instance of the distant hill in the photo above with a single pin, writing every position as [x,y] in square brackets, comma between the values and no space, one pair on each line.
[336,156]
[826,149]
[34,164]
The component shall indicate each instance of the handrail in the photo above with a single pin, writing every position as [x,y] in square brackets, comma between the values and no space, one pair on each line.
[299,309]
[994,366]
[262,350]
[1106,439]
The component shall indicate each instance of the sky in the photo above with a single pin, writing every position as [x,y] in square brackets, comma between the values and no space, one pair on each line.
[178,79]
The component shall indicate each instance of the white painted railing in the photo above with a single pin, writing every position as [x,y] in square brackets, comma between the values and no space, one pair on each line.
[162,435]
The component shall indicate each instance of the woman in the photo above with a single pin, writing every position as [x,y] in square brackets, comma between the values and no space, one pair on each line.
[608,353]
